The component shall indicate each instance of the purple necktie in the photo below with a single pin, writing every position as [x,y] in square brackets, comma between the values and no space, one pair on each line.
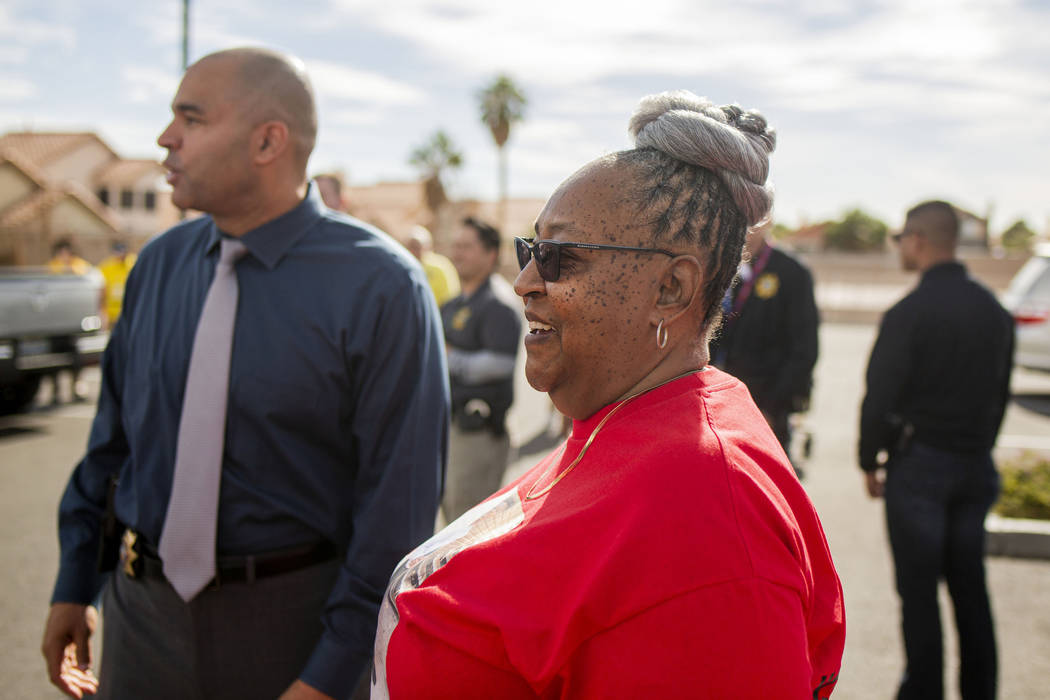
[187,543]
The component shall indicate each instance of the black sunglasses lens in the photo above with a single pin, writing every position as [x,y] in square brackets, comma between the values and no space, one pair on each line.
[547,260]
[546,255]
[521,247]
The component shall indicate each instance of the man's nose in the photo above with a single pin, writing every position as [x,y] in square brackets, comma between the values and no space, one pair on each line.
[167,138]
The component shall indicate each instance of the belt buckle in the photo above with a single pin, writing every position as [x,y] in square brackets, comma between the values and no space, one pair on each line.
[129,555]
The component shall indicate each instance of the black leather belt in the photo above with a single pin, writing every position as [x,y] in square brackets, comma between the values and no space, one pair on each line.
[140,559]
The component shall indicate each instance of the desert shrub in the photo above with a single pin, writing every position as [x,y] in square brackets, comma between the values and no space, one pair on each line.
[1025,488]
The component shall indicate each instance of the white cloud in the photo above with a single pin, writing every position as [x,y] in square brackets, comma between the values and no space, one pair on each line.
[342,82]
[557,42]
[146,84]
[352,117]
[32,32]
[133,139]
[15,88]
[14,55]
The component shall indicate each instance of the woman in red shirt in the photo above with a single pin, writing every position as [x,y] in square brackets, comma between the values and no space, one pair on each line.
[666,550]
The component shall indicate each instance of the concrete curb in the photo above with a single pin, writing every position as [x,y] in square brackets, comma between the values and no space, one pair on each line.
[1016,537]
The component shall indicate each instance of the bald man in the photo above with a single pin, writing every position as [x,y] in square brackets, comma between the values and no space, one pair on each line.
[331,453]
[441,273]
[938,383]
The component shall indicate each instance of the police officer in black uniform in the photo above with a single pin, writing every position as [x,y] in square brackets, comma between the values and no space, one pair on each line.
[768,338]
[938,384]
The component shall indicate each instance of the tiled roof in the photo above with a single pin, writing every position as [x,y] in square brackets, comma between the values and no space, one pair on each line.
[120,173]
[42,147]
[395,206]
[27,168]
[40,201]
[29,207]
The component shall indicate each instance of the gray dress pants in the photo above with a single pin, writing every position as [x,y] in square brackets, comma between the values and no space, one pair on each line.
[238,641]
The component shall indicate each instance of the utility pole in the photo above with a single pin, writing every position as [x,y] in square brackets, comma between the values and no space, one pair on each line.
[185,34]
[185,58]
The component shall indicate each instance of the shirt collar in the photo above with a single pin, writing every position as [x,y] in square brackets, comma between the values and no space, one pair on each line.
[944,269]
[481,287]
[268,243]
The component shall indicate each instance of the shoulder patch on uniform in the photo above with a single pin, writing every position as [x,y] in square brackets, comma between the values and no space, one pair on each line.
[767,285]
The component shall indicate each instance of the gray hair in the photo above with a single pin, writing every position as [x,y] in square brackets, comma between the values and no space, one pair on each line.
[701,180]
[733,144]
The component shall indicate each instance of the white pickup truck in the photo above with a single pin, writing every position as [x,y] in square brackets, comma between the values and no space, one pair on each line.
[48,322]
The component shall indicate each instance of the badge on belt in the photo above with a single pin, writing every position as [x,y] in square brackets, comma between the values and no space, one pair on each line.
[129,555]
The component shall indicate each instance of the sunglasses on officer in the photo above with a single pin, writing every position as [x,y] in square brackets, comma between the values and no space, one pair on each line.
[547,254]
[901,235]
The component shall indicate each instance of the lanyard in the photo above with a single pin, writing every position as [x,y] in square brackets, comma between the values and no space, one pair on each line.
[745,289]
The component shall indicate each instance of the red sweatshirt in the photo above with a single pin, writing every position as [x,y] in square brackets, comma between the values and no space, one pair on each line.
[680,558]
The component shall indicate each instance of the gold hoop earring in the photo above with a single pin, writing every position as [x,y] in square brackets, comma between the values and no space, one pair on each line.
[661,335]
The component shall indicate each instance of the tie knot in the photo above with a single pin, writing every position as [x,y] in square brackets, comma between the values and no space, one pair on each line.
[231,251]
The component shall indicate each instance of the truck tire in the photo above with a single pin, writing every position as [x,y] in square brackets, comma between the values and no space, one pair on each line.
[17,396]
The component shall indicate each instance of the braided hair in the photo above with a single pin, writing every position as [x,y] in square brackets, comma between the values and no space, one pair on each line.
[702,180]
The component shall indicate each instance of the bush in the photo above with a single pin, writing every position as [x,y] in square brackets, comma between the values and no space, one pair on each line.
[1025,488]
[1017,237]
[856,232]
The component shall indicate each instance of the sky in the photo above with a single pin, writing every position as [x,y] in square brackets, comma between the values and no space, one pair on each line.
[878,104]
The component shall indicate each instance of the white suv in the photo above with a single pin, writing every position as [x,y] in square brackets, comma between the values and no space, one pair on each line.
[1028,299]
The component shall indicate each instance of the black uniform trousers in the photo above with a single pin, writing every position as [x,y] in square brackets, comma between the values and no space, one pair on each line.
[936,503]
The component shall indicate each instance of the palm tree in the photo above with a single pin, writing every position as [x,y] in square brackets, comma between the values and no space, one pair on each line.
[502,106]
[433,158]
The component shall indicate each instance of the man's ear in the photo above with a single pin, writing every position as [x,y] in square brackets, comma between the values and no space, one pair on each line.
[269,141]
[680,288]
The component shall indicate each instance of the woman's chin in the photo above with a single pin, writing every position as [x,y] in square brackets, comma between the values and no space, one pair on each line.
[536,382]
[539,376]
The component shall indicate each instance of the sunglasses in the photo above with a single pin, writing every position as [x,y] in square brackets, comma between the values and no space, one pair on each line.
[897,237]
[548,254]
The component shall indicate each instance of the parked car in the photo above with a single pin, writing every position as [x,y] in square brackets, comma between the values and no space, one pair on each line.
[1028,299]
[48,322]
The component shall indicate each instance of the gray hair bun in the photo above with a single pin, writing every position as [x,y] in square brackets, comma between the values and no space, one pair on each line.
[732,143]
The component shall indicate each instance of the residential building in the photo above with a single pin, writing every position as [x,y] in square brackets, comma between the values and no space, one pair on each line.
[56,185]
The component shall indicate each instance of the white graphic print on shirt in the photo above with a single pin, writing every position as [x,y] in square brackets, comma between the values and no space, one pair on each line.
[485,521]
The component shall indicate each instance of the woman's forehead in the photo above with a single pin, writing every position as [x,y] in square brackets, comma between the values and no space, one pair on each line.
[589,207]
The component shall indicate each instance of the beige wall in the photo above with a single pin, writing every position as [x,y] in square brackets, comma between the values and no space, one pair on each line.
[138,223]
[90,235]
[9,253]
[14,185]
[80,164]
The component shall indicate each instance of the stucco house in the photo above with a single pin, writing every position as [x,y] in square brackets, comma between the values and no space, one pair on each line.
[57,185]
[396,206]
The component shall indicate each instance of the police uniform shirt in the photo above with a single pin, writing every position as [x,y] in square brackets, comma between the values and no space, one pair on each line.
[489,320]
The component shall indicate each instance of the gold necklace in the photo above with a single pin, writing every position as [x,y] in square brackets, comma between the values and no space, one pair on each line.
[529,496]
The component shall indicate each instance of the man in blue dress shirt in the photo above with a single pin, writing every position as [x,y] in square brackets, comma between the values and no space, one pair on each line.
[336,422]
